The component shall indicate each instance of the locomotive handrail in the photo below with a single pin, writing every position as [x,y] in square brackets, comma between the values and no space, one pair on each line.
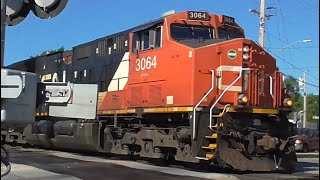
[225,90]
[271,86]
[195,108]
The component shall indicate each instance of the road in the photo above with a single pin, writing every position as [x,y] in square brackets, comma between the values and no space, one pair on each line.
[47,164]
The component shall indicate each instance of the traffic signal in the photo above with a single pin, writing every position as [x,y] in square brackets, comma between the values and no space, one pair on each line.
[18,10]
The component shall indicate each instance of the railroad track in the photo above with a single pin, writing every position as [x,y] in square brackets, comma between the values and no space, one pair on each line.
[73,163]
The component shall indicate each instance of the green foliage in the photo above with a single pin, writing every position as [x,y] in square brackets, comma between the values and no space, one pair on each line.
[51,51]
[292,85]
[312,106]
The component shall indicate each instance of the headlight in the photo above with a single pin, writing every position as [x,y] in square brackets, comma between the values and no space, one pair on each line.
[242,99]
[245,56]
[246,49]
[298,141]
[287,102]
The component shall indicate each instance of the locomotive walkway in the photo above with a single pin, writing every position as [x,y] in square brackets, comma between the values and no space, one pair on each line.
[55,165]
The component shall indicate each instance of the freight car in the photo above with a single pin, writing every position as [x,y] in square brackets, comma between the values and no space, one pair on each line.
[188,86]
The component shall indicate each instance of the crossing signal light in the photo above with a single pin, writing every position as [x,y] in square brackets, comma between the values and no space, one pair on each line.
[46,9]
[18,10]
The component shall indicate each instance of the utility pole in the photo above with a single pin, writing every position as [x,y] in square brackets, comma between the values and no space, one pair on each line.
[262,17]
[304,100]
[262,23]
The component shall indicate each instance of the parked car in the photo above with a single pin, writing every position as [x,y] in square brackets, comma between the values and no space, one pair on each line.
[306,140]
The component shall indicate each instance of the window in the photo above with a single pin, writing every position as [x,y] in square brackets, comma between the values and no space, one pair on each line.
[147,39]
[227,32]
[185,31]
[158,37]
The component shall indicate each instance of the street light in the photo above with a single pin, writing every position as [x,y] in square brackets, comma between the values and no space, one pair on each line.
[291,44]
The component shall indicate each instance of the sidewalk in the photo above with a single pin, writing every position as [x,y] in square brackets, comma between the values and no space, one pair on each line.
[24,172]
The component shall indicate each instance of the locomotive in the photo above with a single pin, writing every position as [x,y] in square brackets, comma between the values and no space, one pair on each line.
[188,86]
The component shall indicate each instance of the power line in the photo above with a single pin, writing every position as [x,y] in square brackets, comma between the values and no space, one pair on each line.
[279,34]
[302,8]
[301,81]
[262,15]
[310,47]
[287,43]
[285,31]
[295,66]
[303,67]
[255,1]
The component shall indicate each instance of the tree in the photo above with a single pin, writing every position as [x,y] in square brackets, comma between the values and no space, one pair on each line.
[312,106]
[51,51]
[293,86]
[312,100]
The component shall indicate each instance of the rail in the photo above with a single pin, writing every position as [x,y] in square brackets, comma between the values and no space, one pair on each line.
[225,90]
[195,108]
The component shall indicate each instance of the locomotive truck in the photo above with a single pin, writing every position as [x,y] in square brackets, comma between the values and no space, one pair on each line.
[188,86]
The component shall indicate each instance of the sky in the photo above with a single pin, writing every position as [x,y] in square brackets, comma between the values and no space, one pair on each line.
[83,20]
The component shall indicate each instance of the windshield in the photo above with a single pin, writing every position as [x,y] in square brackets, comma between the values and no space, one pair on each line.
[229,33]
[185,31]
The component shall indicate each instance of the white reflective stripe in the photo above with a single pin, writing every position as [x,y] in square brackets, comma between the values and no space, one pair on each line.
[223,86]
[55,77]
[232,88]
[113,86]
[46,77]
[229,68]
[120,78]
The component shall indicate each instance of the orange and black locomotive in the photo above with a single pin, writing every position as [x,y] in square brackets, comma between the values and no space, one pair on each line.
[188,87]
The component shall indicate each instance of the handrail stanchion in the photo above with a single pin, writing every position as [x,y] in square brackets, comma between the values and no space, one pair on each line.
[271,86]
[218,99]
[195,108]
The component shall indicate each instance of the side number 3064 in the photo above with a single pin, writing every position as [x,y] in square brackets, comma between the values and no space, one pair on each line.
[146,63]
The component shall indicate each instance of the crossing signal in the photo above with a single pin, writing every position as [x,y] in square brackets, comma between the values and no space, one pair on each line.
[46,9]
[18,10]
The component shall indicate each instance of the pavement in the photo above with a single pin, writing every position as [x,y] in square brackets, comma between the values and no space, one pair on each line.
[25,172]
[56,165]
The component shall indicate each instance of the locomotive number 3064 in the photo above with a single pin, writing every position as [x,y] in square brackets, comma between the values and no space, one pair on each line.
[146,63]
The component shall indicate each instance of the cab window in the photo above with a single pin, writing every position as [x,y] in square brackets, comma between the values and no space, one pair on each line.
[146,39]
[187,31]
[227,32]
